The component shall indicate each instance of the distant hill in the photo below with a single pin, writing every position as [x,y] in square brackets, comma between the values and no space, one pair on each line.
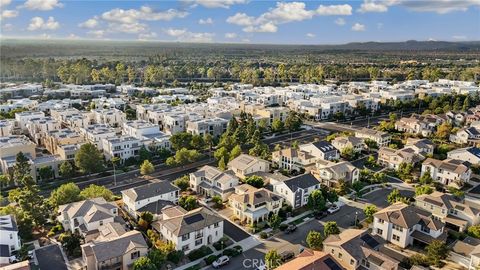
[411,45]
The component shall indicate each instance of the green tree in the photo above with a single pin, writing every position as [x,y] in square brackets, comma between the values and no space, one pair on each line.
[236,151]
[394,196]
[144,263]
[45,173]
[144,154]
[330,227]
[157,257]
[217,200]
[66,193]
[316,201]
[30,203]
[146,168]
[348,153]
[89,159]
[182,182]
[277,125]
[255,181]
[443,131]
[436,252]
[188,202]
[66,169]
[314,240]
[293,122]
[369,211]
[22,170]
[274,221]
[181,140]
[466,104]
[184,156]
[71,243]
[474,231]
[94,191]
[424,189]
[272,259]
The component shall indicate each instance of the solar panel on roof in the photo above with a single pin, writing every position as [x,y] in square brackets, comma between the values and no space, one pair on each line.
[369,240]
[332,264]
[193,219]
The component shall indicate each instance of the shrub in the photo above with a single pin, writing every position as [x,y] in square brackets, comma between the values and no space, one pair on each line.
[210,259]
[263,235]
[221,244]
[199,253]
[175,256]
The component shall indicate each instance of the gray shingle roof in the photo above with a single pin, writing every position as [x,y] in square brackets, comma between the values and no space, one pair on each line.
[189,222]
[118,246]
[149,190]
[301,181]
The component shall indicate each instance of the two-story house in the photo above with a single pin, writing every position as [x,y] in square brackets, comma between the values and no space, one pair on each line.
[252,205]
[245,165]
[456,213]
[343,142]
[189,230]
[449,172]
[330,173]
[86,215]
[291,159]
[296,190]
[10,241]
[321,150]
[380,137]
[152,197]
[469,154]
[210,181]
[404,225]
[422,147]
[392,158]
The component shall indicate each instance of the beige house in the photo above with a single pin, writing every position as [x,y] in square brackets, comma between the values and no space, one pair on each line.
[422,147]
[457,214]
[449,172]
[252,205]
[380,137]
[117,251]
[357,249]
[210,181]
[330,173]
[291,159]
[392,158]
[354,143]
[245,165]
[55,138]
[424,125]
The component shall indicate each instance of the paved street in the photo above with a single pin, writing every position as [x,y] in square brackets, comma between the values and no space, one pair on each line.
[379,196]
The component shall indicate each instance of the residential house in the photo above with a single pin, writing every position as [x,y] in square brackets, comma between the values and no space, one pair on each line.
[466,253]
[10,240]
[449,172]
[117,252]
[56,138]
[214,126]
[392,158]
[380,137]
[321,150]
[422,147]
[96,133]
[113,117]
[6,127]
[291,159]
[297,189]
[152,197]
[122,147]
[456,213]
[343,142]
[404,225]
[469,154]
[466,135]
[189,230]
[358,249]
[424,125]
[210,181]
[245,165]
[10,146]
[310,259]
[252,205]
[86,215]
[331,173]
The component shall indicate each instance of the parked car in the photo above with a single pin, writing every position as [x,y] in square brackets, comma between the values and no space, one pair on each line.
[223,260]
[291,228]
[287,255]
[334,208]
[321,214]
[13,259]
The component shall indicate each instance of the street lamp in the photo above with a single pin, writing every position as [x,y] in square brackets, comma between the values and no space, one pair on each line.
[356,213]
[114,160]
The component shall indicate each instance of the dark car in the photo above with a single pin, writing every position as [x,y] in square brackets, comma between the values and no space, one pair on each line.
[291,228]
[287,255]
[321,214]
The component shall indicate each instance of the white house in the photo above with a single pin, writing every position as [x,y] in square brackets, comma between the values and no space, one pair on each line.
[296,190]
[469,154]
[122,147]
[450,172]
[245,165]
[321,150]
[9,233]
[210,181]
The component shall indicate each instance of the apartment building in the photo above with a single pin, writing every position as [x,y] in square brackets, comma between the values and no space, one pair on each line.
[404,225]
[149,134]
[213,126]
[87,215]
[449,172]
[39,127]
[122,147]
[9,148]
[152,197]
[189,230]
[6,127]
[113,117]
[456,213]
[331,173]
[380,137]
[297,189]
[245,165]
[210,181]
[55,138]
[95,134]
[22,118]
[250,204]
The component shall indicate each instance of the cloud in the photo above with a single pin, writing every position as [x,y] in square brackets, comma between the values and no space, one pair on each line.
[90,23]
[334,10]
[230,35]
[205,21]
[268,27]
[42,4]
[97,33]
[358,27]
[7,27]
[45,36]
[72,36]
[459,37]
[287,12]
[144,13]
[241,19]
[147,36]
[437,6]
[369,6]
[310,35]
[128,28]
[8,13]
[5,2]
[187,36]
[340,21]
[215,3]
[37,23]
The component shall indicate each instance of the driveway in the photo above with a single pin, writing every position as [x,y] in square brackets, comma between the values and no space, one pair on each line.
[234,232]
[379,196]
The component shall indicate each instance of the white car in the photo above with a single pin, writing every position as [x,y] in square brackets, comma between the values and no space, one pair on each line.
[334,208]
[221,261]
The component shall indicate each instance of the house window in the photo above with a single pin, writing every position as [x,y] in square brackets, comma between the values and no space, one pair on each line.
[185,237]
[11,236]
[216,225]
[379,231]
[381,221]
[101,222]
[185,248]
[198,242]
[135,255]
[396,237]
[398,228]
[333,251]
[352,262]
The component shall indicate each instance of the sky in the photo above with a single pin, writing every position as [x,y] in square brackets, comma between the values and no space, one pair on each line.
[243,21]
